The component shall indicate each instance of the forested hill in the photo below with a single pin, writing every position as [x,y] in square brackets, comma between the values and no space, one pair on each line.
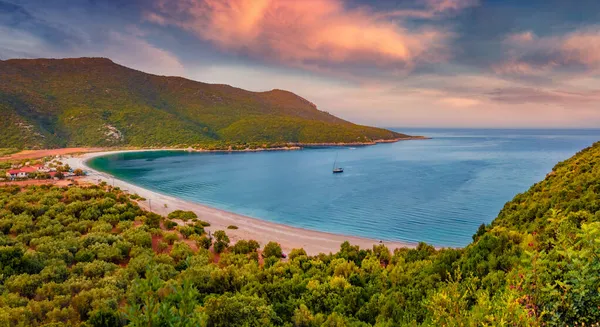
[90,254]
[95,102]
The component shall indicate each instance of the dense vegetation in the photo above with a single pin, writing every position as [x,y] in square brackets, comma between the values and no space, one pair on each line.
[95,102]
[91,256]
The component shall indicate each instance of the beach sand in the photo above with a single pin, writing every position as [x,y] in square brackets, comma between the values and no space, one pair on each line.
[313,242]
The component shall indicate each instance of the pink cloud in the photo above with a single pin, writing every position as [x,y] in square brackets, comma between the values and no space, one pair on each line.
[520,95]
[572,53]
[432,9]
[582,47]
[520,38]
[313,34]
[450,5]
[458,102]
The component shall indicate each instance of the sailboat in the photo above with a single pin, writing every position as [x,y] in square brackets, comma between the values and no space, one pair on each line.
[337,170]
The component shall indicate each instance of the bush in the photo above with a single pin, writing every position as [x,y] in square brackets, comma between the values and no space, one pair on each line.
[152,220]
[186,231]
[232,227]
[203,223]
[138,237]
[181,251]
[295,253]
[272,249]
[221,241]
[245,247]
[182,215]
[204,242]
[162,246]
[170,238]
[170,225]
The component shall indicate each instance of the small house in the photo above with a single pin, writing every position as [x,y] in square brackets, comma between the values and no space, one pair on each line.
[22,172]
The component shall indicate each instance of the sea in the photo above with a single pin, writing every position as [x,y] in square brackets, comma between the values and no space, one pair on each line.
[436,191]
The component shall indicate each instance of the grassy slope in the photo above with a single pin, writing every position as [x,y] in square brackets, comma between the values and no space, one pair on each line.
[76,102]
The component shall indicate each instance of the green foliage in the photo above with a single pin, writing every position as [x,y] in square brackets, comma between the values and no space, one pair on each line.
[169,224]
[221,241]
[154,302]
[170,238]
[245,247]
[204,242]
[238,310]
[203,223]
[182,215]
[272,249]
[95,102]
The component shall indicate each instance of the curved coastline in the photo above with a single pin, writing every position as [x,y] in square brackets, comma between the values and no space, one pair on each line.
[313,242]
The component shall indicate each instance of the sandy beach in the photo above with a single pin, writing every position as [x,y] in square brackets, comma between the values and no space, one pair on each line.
[313,242]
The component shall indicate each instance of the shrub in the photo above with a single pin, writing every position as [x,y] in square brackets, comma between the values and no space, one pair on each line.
[152,220]
[221,241]
[204,242]
[181,251]
[170,225]
[138,237]
[272,249]
[186,231]
[162,246]
[203,223]
[232,227]
[245,247]
[170,238]
[295,253]
[182,215]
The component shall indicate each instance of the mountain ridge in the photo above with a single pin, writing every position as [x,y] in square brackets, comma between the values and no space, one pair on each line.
[96,102]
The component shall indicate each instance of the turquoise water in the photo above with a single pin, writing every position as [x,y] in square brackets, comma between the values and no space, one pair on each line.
[438,191]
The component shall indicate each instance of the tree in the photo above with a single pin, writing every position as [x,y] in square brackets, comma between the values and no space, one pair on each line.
[238,310]
[186,231]
[59,175]
[152,220]
[221,241]
[295,253]
[302,317]
[152,302]
[382,253]
[272,249]
[78,172]
[245,247]
[204,242]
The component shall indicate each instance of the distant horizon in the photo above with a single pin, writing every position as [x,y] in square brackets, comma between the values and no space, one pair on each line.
[495,128]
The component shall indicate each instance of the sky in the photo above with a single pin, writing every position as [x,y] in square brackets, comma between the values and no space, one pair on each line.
[410,63]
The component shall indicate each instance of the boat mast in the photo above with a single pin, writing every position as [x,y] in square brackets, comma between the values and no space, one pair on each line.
[334,162]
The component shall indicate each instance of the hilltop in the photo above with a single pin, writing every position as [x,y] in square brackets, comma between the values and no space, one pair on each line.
[50,103]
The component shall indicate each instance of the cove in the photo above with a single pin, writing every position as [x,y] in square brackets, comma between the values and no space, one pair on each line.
[436,191]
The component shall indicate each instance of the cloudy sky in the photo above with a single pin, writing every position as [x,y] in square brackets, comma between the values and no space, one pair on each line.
[455,63]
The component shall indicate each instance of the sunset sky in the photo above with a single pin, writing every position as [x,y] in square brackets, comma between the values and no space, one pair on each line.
[436,63]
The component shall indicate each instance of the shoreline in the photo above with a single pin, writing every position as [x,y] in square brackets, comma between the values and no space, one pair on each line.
[36,154]
[289,237]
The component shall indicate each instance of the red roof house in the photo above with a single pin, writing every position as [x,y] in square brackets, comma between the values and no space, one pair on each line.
[21,172]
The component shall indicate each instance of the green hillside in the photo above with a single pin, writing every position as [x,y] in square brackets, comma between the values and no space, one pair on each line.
[73,255]
[47,103]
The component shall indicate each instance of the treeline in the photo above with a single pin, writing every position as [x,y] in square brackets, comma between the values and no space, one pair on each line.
[90,256]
